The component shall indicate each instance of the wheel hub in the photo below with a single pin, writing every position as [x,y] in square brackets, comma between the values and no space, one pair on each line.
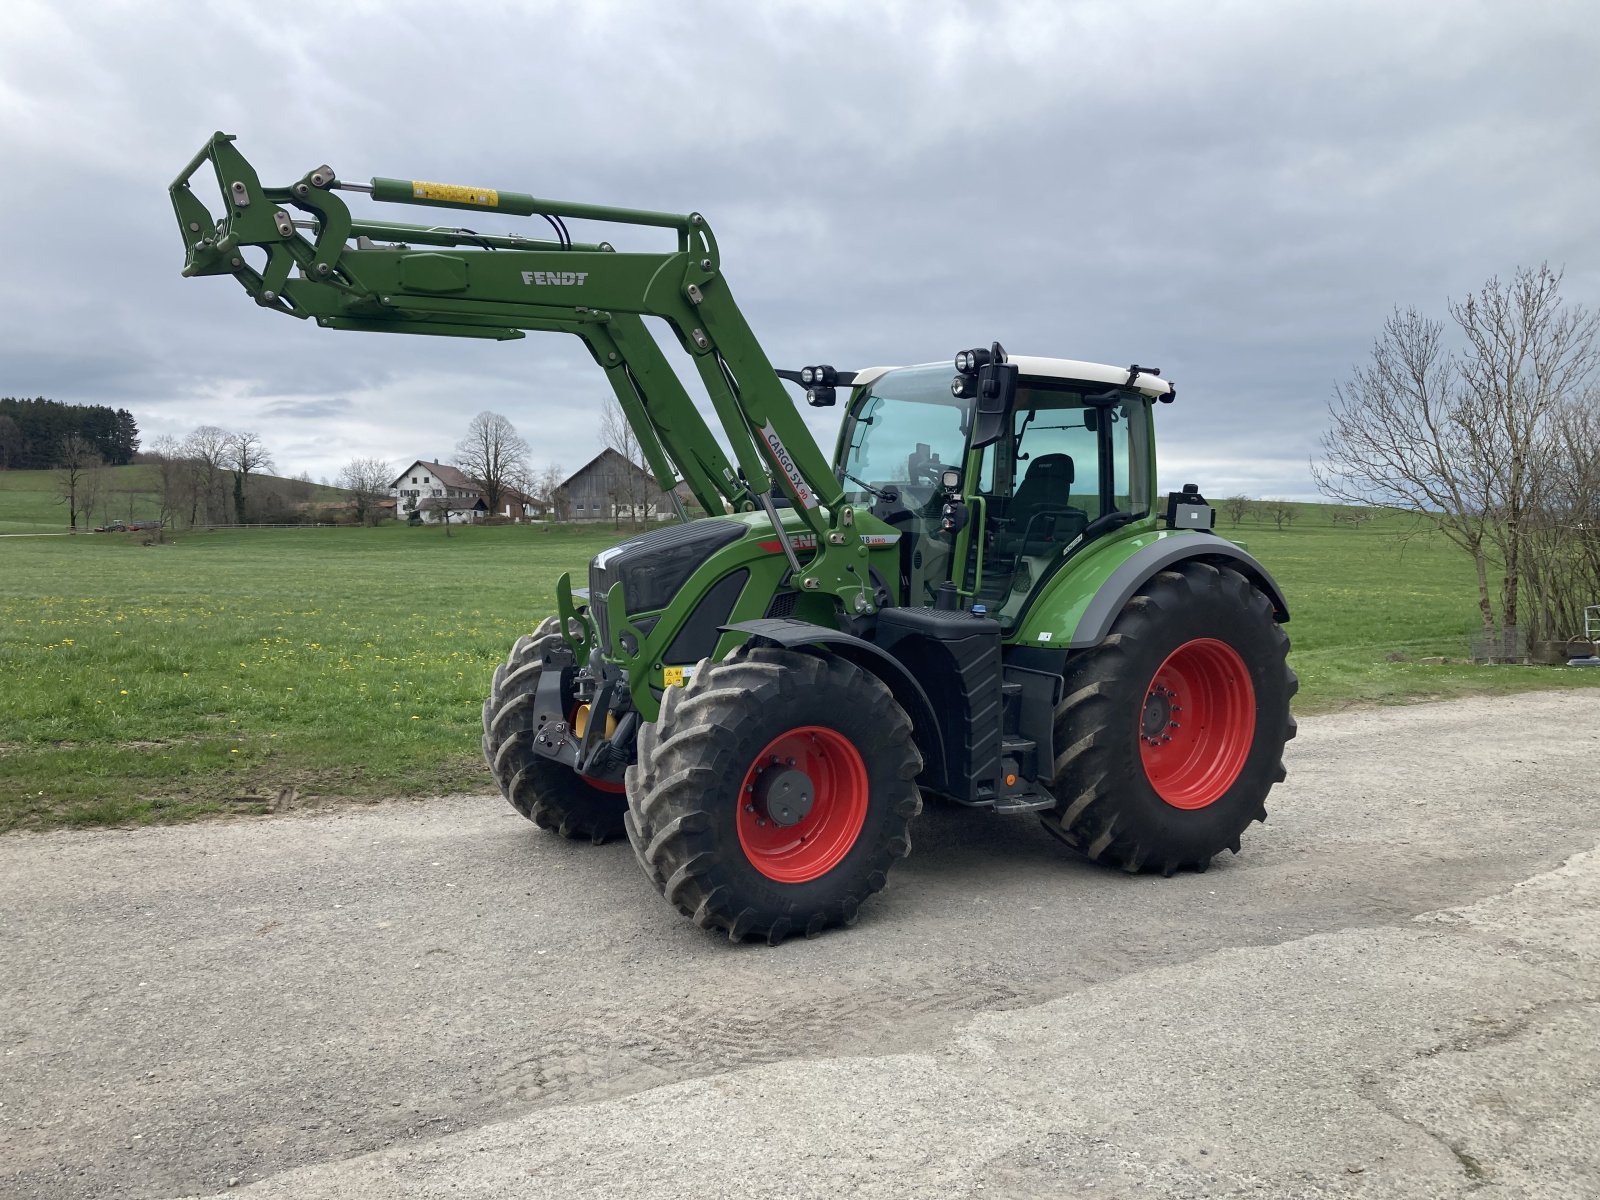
[1157,723]
[784,794]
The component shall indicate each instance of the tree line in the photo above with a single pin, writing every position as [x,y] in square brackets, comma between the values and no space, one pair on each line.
[1486,427]
[213,476]
[34,433]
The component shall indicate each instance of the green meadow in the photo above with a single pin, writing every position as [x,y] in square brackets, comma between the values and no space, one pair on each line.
[248,670]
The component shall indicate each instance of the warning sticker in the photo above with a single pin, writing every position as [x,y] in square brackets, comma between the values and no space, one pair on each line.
[674,676]
[453,193]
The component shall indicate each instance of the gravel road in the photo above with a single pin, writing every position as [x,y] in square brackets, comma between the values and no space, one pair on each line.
[1394,991]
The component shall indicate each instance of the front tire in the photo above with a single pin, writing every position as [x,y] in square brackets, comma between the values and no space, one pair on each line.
[773,793]
[549,794]
[1172,730]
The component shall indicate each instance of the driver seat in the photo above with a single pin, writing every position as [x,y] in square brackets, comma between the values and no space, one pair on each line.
[1046,488]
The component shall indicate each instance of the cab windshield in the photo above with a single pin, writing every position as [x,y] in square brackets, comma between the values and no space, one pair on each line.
[907,429]
[899,437]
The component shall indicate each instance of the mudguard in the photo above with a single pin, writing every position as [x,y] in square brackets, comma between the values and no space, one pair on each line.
[792,634]
[1080,603]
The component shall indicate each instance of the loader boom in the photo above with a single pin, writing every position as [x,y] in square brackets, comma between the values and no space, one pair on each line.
[347,273]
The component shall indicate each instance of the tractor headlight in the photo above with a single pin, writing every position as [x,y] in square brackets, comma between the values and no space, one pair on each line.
[969,362]
[808,375]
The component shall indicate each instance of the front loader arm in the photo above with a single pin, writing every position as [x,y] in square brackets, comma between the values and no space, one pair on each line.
[347,273]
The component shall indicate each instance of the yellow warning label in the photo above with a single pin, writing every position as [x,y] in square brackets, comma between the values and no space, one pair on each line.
[454,193]
[672,676]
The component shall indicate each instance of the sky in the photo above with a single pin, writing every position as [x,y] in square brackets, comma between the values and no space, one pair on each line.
[1236,192]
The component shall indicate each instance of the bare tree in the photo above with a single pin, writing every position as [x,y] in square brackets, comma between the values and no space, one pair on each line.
[549,493]
[247,455]
[1562,526]
[629,484]
[367,480]
[1238,507]
[1459,441]
[1397,438]
[206,451]
[171,476]
[1280,512]
[76,462]
[1527,351]
[494,456]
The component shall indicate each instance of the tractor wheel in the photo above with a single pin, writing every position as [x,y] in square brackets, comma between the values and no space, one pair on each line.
[773,793]
[1172,730]
[549,794]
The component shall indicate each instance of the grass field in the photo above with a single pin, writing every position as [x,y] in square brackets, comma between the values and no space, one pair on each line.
[147,683]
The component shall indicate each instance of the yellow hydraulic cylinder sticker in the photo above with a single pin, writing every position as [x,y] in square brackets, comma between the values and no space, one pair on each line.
[454,193]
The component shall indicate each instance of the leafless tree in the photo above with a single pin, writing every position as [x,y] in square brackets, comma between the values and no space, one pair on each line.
[629,484]
[1460,441]
[166,454]
[1527,352]
[367,480]
[206,451]
[1562,527]
[1280,512]
[247,455]
[76,463]
[494,456]
[549,493]
[1238,507]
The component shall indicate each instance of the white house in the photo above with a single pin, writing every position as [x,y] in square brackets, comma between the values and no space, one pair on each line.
[429,488]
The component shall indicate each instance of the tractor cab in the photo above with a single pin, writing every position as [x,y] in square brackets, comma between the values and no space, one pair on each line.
[995,497]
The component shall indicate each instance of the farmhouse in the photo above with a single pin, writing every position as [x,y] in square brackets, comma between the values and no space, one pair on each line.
[429,489]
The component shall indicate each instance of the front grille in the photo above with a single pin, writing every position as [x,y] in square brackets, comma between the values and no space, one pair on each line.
[653,566]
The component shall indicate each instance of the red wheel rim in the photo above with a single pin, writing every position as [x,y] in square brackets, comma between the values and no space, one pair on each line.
[1197,723]
[816,842]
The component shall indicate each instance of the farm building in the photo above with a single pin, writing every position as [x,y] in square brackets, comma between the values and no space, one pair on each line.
[610,488]
[428,488]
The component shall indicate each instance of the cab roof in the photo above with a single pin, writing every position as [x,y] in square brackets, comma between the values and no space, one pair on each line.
[1052,368]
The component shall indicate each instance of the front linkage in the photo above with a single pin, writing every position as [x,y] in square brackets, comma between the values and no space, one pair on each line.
[463,284]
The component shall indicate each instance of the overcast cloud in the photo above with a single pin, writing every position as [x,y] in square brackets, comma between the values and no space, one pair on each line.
[1236,192]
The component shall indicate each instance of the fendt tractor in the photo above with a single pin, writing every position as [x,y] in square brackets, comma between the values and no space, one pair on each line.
[981,600]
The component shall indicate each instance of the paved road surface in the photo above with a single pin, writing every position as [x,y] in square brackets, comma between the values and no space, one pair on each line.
[1394,991]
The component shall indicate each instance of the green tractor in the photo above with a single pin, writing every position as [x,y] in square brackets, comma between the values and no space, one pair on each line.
[981,599]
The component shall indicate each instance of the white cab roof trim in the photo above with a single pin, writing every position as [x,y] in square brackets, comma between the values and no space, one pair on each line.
[1051,368]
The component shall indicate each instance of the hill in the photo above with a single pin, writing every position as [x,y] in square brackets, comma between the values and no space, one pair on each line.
[29,502]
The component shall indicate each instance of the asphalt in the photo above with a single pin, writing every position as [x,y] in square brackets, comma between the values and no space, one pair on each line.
[1394,991]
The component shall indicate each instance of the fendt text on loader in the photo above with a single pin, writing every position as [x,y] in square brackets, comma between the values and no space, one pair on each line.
[982,598]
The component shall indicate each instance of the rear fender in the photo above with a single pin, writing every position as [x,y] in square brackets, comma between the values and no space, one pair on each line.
[1077,611]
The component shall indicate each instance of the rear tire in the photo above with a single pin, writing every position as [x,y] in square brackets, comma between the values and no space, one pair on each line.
[1172,730]
[549,794]
[716,764]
